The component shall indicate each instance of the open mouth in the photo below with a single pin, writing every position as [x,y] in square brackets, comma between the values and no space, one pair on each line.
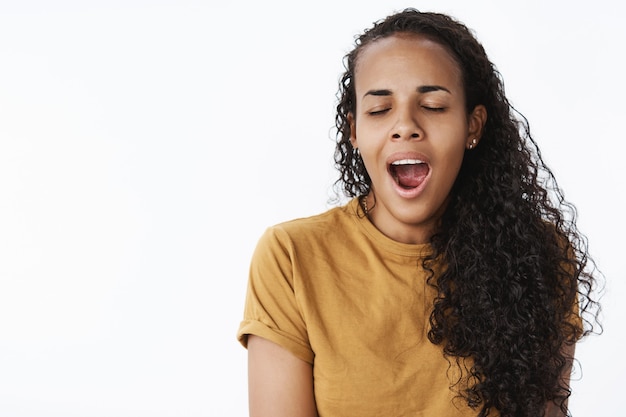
[409,173]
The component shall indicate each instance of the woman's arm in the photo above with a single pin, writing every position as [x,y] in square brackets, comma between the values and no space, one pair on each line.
[553,410]
[279,383]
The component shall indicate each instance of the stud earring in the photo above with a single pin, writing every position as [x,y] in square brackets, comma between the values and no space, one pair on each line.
[473,144]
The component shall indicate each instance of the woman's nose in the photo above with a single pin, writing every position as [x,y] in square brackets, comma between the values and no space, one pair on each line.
[406,126]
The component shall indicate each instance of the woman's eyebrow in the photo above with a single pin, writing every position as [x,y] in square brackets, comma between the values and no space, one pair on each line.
[421,89]
[430,88]
[378,93]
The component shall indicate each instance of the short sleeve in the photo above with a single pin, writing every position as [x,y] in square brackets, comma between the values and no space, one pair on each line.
[271,308]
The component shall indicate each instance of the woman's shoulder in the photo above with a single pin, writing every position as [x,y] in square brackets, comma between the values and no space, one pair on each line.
[335,220]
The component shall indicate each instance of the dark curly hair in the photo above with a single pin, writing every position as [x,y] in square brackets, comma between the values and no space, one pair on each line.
[516,266]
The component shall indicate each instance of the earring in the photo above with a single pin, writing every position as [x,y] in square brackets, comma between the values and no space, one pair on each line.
[473,144]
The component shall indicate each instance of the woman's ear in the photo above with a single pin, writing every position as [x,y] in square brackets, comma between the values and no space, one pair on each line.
[352,124]
[476,124]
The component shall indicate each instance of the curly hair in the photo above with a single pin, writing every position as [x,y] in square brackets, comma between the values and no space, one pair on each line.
[517,275]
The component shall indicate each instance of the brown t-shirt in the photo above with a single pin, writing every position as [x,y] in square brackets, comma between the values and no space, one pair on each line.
[337,293]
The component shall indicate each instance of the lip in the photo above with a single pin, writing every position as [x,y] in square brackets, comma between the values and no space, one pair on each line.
[413,192]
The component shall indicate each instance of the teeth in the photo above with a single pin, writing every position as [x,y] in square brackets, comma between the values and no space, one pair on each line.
[407,162]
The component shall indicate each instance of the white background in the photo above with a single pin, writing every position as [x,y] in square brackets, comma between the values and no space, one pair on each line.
[145,146]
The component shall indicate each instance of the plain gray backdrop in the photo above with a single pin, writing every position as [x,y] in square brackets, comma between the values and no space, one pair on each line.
[146,145]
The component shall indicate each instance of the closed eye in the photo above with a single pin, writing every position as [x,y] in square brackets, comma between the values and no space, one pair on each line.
[434,109]
[378,112]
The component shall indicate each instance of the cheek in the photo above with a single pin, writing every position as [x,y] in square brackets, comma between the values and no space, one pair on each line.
[455,166]
[369,161]
[450,160]
[368,144]
[454,146]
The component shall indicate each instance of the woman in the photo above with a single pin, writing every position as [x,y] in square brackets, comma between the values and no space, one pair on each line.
[454,281]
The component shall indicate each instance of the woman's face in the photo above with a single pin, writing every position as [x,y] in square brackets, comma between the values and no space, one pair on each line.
[412,129]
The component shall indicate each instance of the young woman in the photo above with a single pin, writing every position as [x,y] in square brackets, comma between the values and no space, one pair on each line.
[454,283]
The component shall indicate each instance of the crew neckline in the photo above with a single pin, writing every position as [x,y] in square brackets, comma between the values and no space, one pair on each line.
[382,240]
